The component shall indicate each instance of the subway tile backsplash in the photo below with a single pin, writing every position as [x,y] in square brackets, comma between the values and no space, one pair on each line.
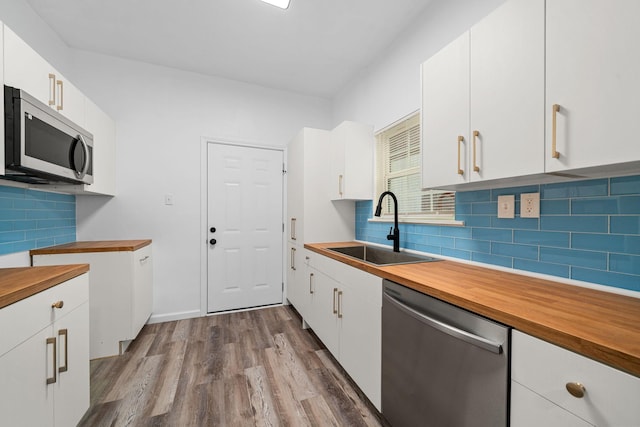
[34,219]
[588,230]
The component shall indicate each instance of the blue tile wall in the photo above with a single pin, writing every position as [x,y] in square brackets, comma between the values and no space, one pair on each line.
[588,230]
[32,219]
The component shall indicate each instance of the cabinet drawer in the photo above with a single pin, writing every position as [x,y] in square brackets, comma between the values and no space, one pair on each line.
[25,318]
[610,398]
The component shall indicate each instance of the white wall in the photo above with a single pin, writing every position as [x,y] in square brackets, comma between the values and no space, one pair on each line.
[161,115]
[389,89]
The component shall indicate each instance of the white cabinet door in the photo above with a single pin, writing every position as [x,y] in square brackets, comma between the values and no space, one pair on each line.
[528,409]
[72,386]
[142,289]
[295,187]
[295,277]
[103,129]
[352,162]
[361,334]
[25,397]
[445,115]
[593,63]
[507,92]
[323,317]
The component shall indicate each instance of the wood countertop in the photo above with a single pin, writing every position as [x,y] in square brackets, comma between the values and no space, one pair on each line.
[22,282]
[597,324]
[93,246]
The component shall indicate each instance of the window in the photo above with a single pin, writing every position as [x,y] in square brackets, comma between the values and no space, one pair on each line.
[398,170]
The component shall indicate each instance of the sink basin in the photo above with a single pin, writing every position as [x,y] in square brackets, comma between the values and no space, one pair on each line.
[381,256]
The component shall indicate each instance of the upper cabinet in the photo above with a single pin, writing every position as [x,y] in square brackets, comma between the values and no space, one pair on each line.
[25,69]
[593,63]
[351,163]
[482,116]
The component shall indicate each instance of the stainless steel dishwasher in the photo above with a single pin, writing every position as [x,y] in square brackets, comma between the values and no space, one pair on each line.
[442,366]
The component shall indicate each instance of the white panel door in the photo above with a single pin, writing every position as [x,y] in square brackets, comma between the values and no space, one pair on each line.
[245,202]
[593,63]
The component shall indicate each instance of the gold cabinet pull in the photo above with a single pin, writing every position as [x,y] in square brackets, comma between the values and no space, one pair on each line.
[54,378]
[293,229]
[475,164]
[460,140]
[60,106]
[576,389]
[310,283]
[555,110]
[58,304]
[64,333]
[340,304]
[52,89]
[293,259]
[340,178]
[335,291]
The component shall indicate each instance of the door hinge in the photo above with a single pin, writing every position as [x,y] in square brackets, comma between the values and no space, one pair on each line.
[282,286]
[284,169]
[283,227]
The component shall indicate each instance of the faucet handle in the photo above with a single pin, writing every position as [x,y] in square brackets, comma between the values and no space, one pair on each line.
[390,236]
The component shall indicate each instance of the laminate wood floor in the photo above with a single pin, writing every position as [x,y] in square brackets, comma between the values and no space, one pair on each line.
[237,369]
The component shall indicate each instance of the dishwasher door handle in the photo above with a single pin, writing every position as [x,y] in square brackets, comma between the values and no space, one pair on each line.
[460,334]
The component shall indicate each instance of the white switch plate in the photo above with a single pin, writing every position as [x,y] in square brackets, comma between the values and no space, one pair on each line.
[168,199]
[506,206]
[530,205]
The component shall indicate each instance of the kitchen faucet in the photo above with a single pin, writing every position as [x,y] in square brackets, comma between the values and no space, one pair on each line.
[394,232]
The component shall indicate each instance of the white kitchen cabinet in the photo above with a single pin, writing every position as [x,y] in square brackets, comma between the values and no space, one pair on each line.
[592,72]
[44,357]
[543,372]
[345,312]
[482,98]
[103,129]
[121,287]
[296,272]
[351,162]
[2,103]
[25,69]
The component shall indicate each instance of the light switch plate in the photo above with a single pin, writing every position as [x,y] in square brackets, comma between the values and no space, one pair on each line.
[506,206]
[530,205]
[168,199]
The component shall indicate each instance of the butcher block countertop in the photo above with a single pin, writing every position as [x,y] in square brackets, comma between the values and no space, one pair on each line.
[93,246]
[22,282]
[600,325]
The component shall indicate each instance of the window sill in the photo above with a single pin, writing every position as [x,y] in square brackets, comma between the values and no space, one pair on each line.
[447,222]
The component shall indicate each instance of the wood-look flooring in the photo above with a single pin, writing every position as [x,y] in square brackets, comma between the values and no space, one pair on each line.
[237,369]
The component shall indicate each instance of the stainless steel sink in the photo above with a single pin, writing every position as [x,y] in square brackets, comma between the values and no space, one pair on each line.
[381,256]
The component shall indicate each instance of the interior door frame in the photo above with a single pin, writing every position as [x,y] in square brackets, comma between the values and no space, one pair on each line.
[204,194]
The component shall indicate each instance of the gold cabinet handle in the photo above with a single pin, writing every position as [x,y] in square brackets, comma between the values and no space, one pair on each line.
[58,304]
[340,304]
[64,333]
[310,283]
[60,106]
[576,389]
[340,178]
[460,140]
[335,291]
[555,110]
[54,378]
[293,259]
[52,89]
[293,229]
[475,164]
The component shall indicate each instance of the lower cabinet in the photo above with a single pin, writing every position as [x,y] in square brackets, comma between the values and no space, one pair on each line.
[45,377]
[121,294]
[551,386]
[344,309]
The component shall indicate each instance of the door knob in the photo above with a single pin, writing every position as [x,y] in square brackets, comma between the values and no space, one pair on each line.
[212,229]
[213,241]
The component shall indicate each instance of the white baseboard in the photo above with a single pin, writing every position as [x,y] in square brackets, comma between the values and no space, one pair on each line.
[168,317]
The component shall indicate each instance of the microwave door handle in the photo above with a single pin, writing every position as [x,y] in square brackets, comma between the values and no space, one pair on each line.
[85,167]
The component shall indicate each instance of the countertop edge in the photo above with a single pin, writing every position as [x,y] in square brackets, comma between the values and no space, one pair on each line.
[46,277]
[607,354]
[93,246]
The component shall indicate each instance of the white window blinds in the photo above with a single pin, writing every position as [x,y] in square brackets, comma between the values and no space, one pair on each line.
[398,170]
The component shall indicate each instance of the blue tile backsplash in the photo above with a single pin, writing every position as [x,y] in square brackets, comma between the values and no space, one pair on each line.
[588,230]
[32,219]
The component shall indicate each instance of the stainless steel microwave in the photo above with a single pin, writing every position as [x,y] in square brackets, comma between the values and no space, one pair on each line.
[41,145]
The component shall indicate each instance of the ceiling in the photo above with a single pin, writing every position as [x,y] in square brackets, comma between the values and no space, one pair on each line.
[315,47]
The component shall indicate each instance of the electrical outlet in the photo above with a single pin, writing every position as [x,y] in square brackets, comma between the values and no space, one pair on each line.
[506,206]
[530,205]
